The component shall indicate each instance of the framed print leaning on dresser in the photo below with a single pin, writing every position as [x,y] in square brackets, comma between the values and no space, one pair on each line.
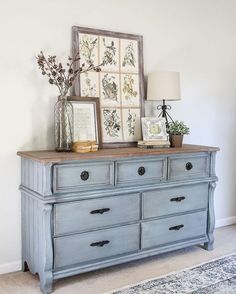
[119,84]
[86,117]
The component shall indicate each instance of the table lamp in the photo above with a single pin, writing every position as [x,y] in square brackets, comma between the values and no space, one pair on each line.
[163,85]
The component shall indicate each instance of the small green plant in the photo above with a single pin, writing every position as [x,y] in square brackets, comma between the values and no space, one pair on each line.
[178,128]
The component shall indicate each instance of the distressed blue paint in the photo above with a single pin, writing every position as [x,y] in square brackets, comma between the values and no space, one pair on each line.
[77,216]
[58,227]
[161,202]
[177,166]
[157,232]
[77,249]
[67,177]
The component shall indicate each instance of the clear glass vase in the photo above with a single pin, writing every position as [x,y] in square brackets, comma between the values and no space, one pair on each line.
[63,123]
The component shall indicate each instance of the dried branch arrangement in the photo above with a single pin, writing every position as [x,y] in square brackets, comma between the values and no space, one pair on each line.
[60,76]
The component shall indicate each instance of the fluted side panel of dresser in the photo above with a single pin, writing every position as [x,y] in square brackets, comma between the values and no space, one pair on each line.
[36,176]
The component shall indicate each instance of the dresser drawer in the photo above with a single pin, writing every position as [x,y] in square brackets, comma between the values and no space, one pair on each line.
[188,166]
[173,229]
[82,176]
[175,200]
[141,171]
[91,214]
[97,245]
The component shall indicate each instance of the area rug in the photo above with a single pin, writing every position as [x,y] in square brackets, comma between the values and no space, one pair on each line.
[214,277]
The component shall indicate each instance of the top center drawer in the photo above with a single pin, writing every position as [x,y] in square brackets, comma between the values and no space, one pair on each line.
[141,171]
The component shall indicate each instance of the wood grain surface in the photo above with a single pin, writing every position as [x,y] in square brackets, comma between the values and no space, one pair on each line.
[47,156]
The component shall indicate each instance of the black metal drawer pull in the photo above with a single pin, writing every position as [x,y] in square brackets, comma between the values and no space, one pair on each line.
[100,211]
[100,243]
[189,166]
[176,228]
[141,170]
[84,175]
[177,199]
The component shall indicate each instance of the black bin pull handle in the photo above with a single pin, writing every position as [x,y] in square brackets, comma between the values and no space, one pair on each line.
[100,211]
[176,228]
[100,243]
[177,199]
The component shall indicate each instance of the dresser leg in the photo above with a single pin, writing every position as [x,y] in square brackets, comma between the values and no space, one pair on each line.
[46,281]
[211,218]
[209,245]
[24,266]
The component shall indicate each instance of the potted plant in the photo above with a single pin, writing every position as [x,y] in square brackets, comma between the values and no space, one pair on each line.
[177,130]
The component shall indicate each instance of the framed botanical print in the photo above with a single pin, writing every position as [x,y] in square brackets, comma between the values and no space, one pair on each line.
[119,84]
[87,123]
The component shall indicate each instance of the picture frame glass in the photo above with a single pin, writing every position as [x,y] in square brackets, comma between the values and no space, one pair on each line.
[85,127]
[86,117]
[154,129]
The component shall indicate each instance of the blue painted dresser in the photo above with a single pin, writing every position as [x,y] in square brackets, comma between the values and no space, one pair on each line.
[82,212]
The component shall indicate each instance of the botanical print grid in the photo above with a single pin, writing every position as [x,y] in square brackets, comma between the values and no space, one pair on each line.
[116,85]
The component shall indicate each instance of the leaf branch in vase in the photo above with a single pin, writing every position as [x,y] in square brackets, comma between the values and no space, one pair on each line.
[62,77]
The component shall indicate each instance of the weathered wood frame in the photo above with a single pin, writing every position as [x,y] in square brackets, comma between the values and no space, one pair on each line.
[97,109]
[76,30]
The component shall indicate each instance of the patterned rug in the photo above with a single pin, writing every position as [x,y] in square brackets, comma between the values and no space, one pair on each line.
[214,277]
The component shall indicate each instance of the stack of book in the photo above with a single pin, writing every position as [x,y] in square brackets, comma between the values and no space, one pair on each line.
[154,144]
[84,146]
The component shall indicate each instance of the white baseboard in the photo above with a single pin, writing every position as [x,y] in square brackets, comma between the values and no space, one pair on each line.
[10,267]
[222,222]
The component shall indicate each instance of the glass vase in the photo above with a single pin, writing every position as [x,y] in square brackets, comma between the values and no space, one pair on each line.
[63,123]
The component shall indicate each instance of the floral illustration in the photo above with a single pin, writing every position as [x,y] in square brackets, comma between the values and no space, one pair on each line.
[87,46]
[90,88]
[109,53]
[131,122]
[129,58]
[128,88]
[110,88]
[111,122]
[154,129]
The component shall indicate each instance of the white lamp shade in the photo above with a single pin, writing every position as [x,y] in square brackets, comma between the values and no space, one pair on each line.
[163,85]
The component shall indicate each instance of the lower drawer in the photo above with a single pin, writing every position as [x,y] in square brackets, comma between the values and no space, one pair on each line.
[173,229]
[166,201]
[77,216]
[93,246]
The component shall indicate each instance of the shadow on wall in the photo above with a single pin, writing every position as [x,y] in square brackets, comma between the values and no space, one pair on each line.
[41,114]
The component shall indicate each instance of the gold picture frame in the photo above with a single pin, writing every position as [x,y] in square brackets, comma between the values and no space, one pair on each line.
[87,122]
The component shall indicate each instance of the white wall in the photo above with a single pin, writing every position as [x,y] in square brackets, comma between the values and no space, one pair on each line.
[195,37]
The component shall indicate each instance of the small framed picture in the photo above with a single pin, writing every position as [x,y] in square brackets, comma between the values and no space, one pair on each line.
[87,122]
[154,129]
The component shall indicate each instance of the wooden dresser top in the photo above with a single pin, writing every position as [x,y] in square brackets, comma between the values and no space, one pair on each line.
[47,156]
